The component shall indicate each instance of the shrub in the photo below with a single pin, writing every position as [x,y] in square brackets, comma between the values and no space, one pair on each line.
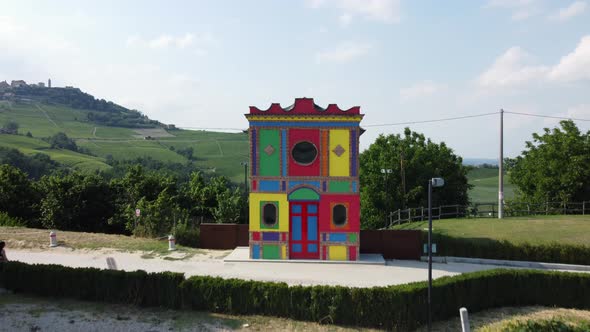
[6,220]
[552,325]
[493,249]
[399,308]
[187,235]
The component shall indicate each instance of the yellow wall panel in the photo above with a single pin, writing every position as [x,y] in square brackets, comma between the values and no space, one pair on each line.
[337,253]
[340,165]
[256,215]
[284,252]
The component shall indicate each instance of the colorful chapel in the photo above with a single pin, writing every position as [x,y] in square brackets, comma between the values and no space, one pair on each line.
[304,182]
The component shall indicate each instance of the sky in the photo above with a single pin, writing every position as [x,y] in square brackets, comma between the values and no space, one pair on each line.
[201,64]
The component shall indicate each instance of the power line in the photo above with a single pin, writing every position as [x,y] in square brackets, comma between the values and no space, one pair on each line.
[428,121]
[547,116]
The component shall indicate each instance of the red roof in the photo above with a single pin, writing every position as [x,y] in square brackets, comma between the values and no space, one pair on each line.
[305,106]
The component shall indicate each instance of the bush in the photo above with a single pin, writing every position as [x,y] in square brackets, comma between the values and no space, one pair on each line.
[399,308]
[6,220]
[187,235]
[493,249]
[553,325]
[91,284]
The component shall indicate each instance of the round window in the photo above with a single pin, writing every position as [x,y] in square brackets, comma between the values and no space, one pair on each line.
[339,216]
[304,153]
[269,214]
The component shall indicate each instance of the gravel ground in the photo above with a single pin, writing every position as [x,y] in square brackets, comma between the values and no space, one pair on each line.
[394,272]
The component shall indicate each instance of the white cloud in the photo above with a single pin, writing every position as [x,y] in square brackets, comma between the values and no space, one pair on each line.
[419,90]
[345,20]
[166,41]
[521,9]
[509,69]
[345,52]
[387,11]
[574,66]
[513,68]
[581,111]
[570,11]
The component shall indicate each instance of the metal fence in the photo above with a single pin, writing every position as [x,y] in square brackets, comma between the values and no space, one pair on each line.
[487,210]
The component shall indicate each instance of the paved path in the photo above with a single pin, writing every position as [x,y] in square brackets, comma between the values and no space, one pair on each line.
[394,272]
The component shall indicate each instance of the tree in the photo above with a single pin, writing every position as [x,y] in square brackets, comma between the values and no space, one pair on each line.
[76,202]
[10,127]
[413,160]
[158,217]
[554,166]
[229,206]
[62,141]
[18,197]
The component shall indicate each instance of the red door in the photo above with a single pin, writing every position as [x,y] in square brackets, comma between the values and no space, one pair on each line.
[304,240]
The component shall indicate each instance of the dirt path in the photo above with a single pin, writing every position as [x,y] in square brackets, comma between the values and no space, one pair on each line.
[46,115]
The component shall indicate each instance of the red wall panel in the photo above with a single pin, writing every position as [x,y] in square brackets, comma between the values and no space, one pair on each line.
[353,203]
[309,135]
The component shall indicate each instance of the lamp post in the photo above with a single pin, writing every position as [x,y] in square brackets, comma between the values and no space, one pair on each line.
[434,182]
[245,164]
[386,171]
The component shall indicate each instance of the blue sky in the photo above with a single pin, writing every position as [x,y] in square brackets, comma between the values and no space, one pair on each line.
[202,63]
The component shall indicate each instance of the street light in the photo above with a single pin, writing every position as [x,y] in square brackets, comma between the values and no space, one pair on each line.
[434,182]
[245,164]
[386,171]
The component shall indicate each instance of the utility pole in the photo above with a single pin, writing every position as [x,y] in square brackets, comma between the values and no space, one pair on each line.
[403,171]
[501,169]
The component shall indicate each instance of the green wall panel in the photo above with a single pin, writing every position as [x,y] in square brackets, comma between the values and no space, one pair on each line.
[339,187]
[304,193]
[270,163]
[271,252]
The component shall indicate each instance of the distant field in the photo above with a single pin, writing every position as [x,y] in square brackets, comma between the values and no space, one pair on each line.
[535,230]
[485,181]
[215,152]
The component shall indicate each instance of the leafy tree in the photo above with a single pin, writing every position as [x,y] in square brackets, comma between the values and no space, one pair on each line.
[229,206]
[76,202]
[62,141]
[413,160]
[10,127]
[18,197]
[555,166]
[158,217]
[35,166]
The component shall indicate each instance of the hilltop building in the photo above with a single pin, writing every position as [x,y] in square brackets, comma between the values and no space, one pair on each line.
[304,180]
[41,84]
[17,83]
[4,85]
[49,83]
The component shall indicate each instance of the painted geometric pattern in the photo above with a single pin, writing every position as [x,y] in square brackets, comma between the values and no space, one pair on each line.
[269,245]
[339,150]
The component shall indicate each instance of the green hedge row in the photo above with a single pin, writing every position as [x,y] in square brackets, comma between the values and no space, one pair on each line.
[401,307]
[553,325]
[494,249]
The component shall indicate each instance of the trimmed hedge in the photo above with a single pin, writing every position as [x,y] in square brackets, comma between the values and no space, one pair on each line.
[400,308]
[493,249]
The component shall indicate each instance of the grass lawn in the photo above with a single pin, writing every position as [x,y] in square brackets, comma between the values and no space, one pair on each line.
[33,238]
[485,182]
[497,320]
[534,230]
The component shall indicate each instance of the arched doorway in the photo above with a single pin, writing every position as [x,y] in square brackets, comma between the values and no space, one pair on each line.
[304,239]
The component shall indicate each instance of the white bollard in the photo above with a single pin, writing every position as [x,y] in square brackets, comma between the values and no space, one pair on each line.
[464,320]
[52,239]
[171,243]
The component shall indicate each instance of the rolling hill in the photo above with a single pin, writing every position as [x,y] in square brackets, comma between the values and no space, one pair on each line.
[213,152]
